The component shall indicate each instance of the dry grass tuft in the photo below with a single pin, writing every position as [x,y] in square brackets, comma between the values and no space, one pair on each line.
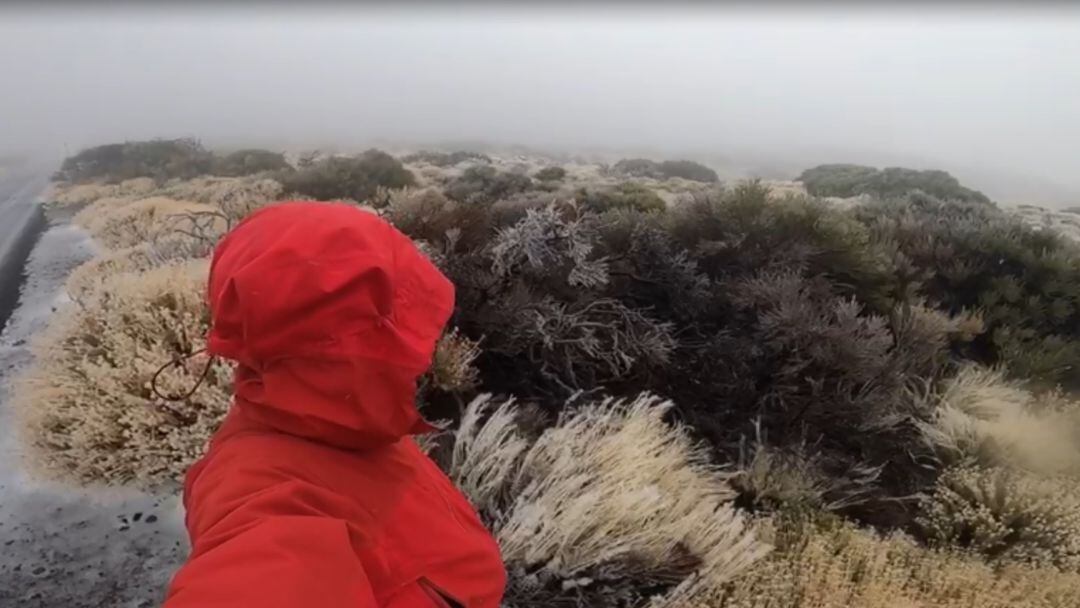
[983,418]
[771,478]
[605,506]
[840,566]
[86,406]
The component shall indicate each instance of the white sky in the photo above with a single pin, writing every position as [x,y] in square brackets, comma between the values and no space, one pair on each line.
[984,89]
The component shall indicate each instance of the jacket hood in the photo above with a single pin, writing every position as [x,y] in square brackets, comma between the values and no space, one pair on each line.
[331,314]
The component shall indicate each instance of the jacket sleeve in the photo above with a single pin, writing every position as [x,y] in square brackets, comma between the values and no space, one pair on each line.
[280,562]
[266,540]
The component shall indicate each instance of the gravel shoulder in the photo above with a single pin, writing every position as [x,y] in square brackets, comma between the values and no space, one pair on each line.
[64,546]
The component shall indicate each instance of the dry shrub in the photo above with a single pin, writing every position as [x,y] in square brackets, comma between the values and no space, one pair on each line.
[236,197]
[1009,516]
[832,565]
[86,404]
[81,194]
[608,507]
[88,277]
[798,477]
[139,221]
[427,215]
[983,418]
[453,366]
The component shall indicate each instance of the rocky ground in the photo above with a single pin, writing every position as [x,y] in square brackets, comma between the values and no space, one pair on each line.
[63,546]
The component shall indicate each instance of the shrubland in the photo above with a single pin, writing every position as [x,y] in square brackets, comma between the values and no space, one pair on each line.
[845,180]
[645,393]
[445,159]
[686,169]
[342,177]
[160,159]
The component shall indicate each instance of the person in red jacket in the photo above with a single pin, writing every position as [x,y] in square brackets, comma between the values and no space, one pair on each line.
[312,494]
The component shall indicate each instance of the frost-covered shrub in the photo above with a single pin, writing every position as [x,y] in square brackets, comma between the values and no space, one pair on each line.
[140,221]
[90,276]
[86,405]
[236,197]
[1009,516]
[611,506]
[486,184]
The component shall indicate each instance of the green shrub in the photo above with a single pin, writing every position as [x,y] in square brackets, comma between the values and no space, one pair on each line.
[161,159]
[551,174]
[248,162]
[845,181]
[968,256]
[486,184]
[638,167]
[356,177]
[624,196]
[688,169]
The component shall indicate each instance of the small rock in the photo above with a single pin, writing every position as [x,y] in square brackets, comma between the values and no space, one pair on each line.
[38,570]
[150,519]
[137,516]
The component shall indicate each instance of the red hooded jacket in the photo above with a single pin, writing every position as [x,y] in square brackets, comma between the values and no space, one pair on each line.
[312,493]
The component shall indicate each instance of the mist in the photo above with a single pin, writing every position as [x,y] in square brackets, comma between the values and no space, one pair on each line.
[988,93]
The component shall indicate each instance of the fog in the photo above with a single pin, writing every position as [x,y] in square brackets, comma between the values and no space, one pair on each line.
[989,93]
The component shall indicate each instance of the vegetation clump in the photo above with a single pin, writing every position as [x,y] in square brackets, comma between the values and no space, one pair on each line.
[845,180]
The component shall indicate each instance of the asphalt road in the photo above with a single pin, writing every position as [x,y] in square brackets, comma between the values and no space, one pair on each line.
[62,546]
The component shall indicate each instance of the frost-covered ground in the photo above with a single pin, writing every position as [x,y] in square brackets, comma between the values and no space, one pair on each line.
[59,546]
[1065,222]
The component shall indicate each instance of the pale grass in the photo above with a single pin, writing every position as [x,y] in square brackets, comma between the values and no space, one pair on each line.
[610,484]
[841,566]
[982,417]
[85,405]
